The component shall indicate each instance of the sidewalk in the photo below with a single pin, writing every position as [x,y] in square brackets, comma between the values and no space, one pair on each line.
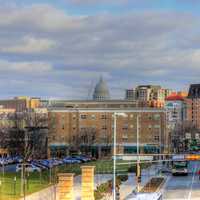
[50,192]
[127,187]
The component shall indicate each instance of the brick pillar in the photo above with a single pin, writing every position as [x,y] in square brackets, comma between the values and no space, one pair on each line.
[65,186]
[87,191]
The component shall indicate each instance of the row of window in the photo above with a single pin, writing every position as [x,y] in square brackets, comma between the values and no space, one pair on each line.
[125,136]
[104,127]
[84,116]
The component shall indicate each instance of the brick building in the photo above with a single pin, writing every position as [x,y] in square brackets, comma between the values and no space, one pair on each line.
[91,130]
[193,105]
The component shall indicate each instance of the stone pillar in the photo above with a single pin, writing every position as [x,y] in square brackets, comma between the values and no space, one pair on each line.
[65,186]
[87,190]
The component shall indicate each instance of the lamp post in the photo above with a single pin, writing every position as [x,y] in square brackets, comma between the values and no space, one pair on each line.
[114,151]
[138,152]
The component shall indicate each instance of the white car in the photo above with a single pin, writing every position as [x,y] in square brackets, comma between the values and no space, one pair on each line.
[145,196]
[28,168]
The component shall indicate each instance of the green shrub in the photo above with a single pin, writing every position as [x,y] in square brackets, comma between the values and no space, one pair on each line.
[107,187]
[132,169]
[123,178]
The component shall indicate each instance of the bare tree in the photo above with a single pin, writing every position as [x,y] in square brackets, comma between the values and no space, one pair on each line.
[84,140]
[28,136]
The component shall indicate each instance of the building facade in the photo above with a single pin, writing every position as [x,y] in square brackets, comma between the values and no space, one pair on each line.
[153,95]
[193,105]
[20,104]
[91,130]
[175,106]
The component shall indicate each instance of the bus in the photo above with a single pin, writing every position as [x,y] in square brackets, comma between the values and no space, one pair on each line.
[145,196]
[179,165]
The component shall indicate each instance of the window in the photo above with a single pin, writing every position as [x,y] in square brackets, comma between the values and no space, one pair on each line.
[150,117]
[125,136]
[157,126]
[83,116]
[150,126]
[82,128]
[156,116]
[104,127]
[131,126]
[93,117]
[156,137]
[103,117]
[125,127]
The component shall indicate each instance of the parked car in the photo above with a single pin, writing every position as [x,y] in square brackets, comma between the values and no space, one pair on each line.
[70,160]
[28,168]
[37,164]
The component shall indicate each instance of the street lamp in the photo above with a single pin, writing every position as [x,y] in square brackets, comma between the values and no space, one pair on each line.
[138,152]
[114,150]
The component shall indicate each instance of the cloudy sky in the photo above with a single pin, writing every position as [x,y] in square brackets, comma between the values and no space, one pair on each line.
[59,49]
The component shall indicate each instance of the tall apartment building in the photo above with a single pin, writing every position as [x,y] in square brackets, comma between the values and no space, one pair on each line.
[175,106]
[193,105]
[131,94]
[154,95]
[91,129]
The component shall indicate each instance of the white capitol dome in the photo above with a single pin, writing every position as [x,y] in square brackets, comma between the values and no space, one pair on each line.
[101,91]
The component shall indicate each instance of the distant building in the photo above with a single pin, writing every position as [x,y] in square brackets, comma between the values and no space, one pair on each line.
[93,104]
[20,104]
[193,105]
[101,91]
[131,94]
[153,95]
[176,110]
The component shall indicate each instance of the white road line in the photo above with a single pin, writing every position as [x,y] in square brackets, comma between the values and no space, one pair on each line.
[190,193]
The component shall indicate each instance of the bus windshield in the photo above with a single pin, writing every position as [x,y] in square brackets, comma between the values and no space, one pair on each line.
[180,164]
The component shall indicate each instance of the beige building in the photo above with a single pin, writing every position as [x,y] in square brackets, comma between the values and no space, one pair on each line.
[91,130]
[20,104]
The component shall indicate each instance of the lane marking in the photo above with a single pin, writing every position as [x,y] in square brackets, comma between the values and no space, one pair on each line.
[194,171]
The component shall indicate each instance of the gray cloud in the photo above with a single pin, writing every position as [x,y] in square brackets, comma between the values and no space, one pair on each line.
[64,55]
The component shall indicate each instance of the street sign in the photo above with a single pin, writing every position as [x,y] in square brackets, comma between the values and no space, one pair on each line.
[197,136]
[188,135]
[178,157]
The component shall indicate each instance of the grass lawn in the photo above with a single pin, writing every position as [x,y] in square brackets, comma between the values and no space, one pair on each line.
[10,189]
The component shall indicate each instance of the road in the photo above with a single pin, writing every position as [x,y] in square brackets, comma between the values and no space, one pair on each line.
[184,187]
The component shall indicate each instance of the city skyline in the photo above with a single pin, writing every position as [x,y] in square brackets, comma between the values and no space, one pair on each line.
[59,50]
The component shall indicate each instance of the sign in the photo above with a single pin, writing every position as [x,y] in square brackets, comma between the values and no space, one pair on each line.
[188,135]
[197,136]
[134,158]
[178,157]
[192,157]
